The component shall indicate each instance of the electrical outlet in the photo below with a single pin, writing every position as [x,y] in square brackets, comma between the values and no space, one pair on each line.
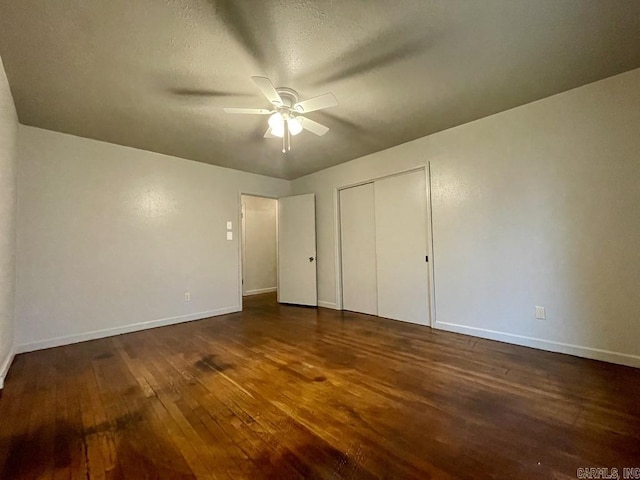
[540,313]
[187,296]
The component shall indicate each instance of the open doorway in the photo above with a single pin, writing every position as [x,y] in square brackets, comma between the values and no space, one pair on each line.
[259,245]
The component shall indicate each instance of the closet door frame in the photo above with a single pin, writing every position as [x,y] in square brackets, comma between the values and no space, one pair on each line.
[429,235]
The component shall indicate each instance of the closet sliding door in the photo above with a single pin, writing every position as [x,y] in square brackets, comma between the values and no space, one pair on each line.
[401,247]
[383,227]
[358,243]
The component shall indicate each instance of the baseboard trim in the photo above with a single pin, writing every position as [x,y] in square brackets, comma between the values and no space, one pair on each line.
[549,345]
[330,305]
[110,332]
[258,291]
[4,368]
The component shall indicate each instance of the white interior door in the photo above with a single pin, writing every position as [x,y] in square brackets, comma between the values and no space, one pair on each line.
[401,246]
[358,246]
[297,281]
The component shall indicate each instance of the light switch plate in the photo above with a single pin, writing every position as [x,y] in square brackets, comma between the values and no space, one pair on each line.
[229,235]
[540,314]
[229,225]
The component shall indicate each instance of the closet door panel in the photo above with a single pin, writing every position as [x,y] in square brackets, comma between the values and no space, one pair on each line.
[401,246]
[358,242]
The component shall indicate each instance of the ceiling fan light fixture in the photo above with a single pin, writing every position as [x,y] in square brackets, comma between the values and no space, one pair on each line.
[278,132]
[276,121]
[295,126]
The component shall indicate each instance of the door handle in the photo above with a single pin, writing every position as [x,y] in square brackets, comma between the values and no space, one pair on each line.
[311,259]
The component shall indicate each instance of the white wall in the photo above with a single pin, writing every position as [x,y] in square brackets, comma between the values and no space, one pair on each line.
[8,175]
[534,206]
[259,244]
[111,237]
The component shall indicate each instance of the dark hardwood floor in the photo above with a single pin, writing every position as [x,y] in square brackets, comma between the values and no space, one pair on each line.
[290,392]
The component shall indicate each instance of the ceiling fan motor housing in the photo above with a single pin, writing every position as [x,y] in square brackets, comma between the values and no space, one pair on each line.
[289,96]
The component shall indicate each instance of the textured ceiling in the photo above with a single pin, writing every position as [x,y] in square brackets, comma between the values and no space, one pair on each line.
[155,74]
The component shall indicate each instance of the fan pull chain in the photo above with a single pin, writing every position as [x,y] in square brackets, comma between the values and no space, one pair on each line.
[286,138]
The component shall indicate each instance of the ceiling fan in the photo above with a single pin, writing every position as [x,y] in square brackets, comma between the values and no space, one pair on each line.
[286,115]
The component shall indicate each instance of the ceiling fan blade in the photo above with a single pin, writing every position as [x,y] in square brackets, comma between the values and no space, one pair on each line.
[326,100]
[249,111]
[382,49]
[313,127]
[332,118]
[195,92]
[269,134]
[267,89]
[246,22]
